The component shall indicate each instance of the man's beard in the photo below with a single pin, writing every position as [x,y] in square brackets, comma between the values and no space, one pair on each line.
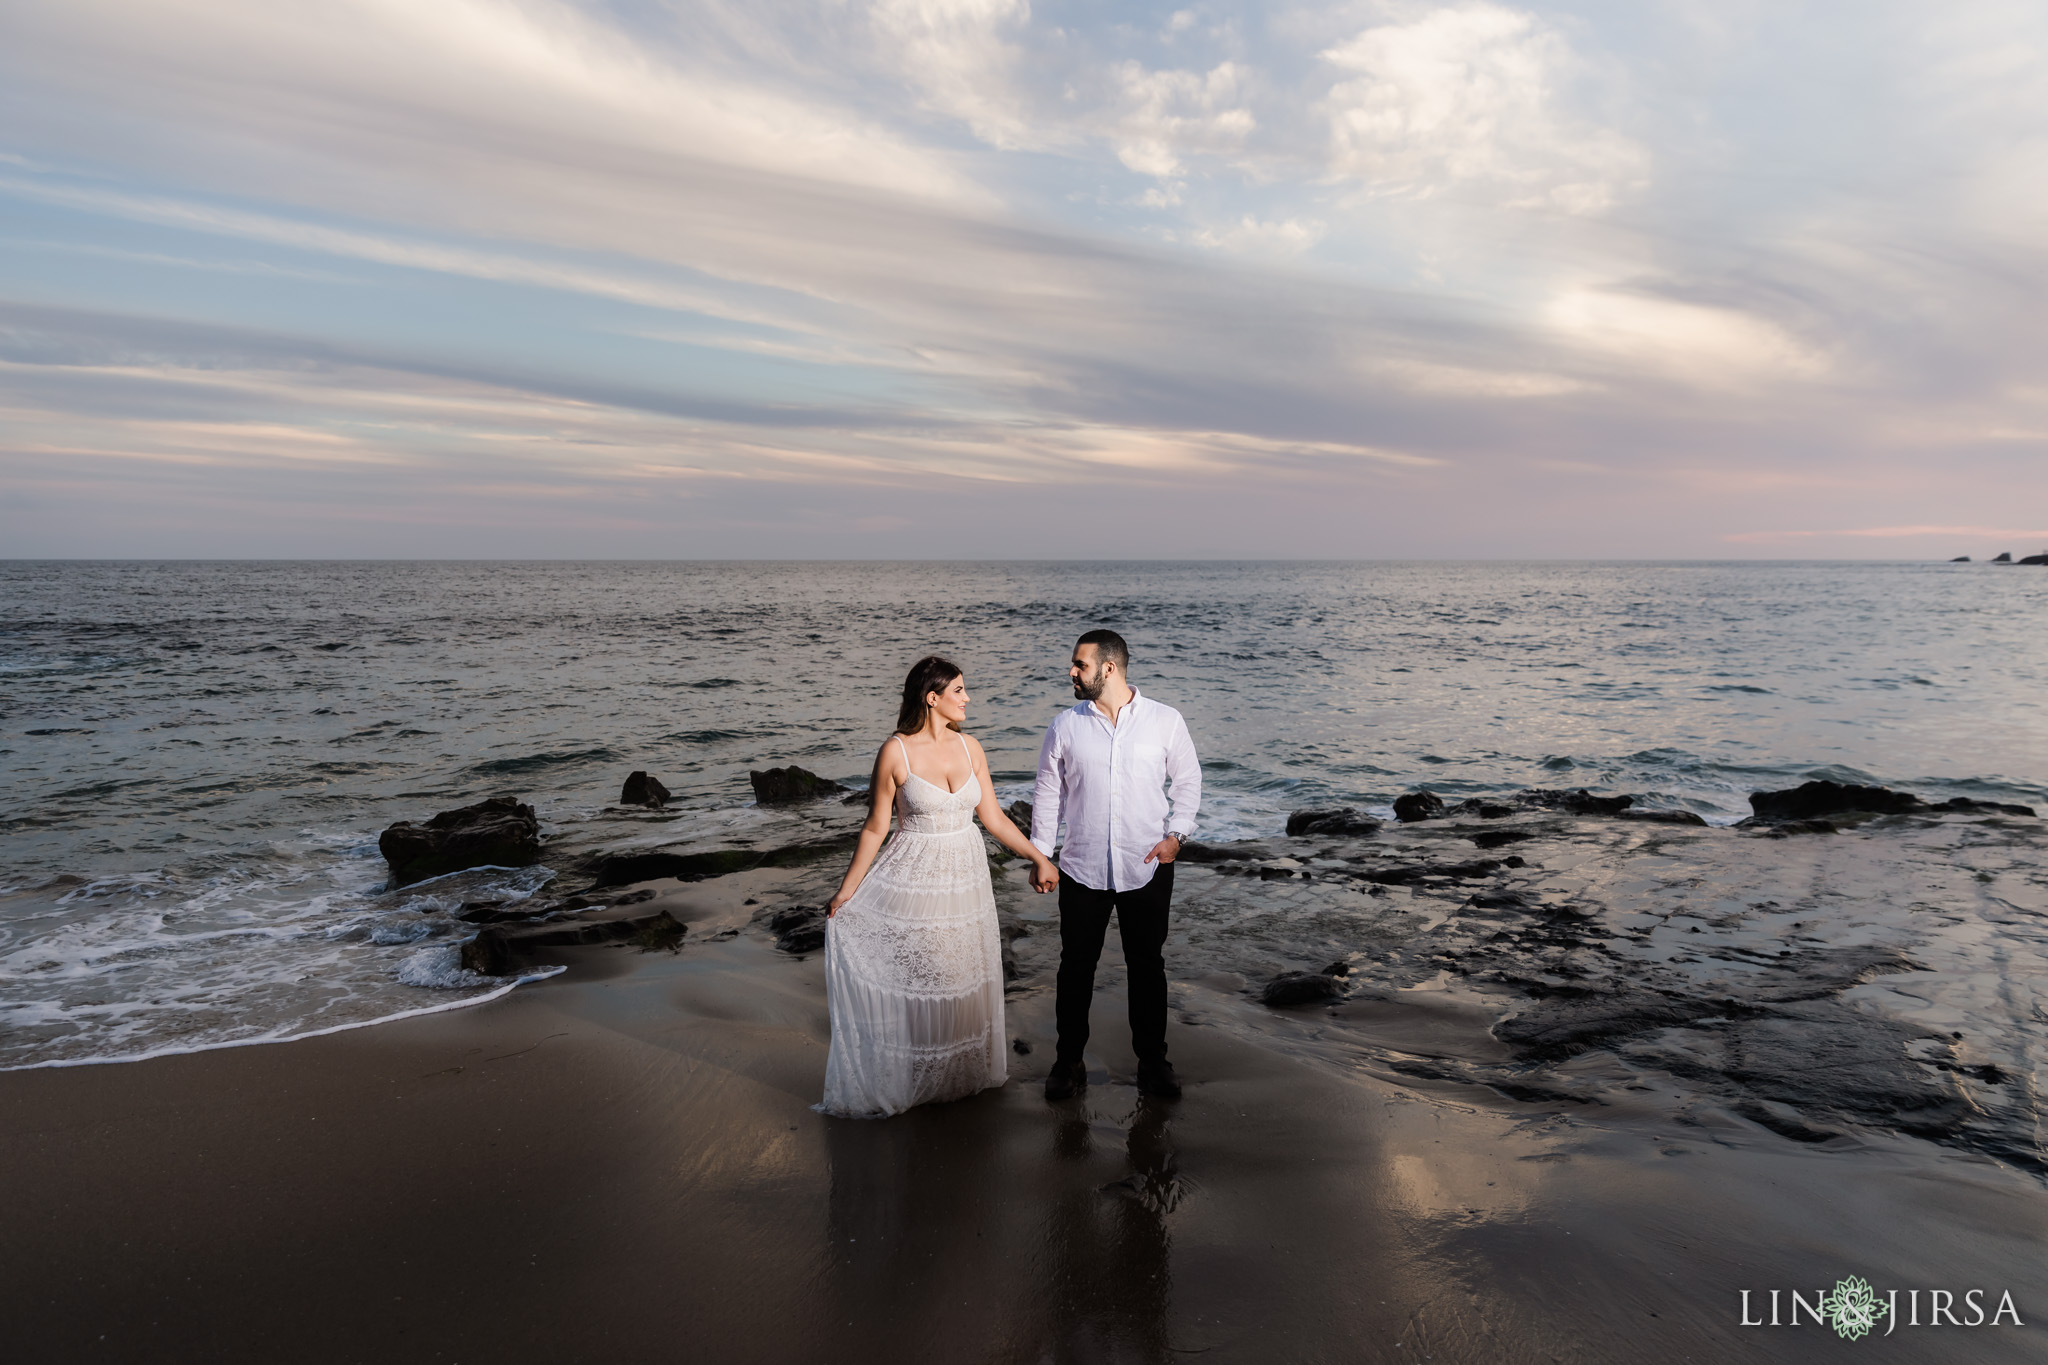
[1087,688]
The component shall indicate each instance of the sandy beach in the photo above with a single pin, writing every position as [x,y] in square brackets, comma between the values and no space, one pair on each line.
[620,1164]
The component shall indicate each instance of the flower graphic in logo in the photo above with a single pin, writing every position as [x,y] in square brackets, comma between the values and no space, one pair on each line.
[1853,1308]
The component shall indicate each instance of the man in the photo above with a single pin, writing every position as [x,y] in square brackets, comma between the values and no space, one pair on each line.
[1121,770]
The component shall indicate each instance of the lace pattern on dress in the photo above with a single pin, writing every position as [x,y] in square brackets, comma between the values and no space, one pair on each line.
[913,965]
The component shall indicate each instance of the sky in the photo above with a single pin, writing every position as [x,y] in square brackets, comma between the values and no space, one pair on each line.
[1001,279]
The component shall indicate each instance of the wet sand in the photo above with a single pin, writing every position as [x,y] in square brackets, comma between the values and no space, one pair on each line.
[620,1164]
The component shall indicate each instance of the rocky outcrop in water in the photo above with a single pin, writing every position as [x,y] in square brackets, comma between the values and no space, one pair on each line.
[2033,559]
[499,832]
[2002,557]
[1577,801]
[1808,808]
[1663,817]
[642,790]
[1344,820]
[791,786]
[1417,805]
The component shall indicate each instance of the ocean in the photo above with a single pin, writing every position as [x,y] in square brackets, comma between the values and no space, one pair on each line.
[196,758]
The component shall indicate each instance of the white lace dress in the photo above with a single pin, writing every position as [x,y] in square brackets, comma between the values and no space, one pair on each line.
[914,965]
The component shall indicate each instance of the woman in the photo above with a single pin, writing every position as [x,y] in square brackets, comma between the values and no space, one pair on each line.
[913,965]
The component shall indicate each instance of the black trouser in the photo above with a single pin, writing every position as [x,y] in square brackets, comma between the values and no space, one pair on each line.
[1141,923]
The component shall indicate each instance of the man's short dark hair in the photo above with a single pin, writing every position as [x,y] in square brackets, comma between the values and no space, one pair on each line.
[1108,645]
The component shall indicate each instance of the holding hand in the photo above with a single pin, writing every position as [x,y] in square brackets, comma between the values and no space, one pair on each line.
[1044,876]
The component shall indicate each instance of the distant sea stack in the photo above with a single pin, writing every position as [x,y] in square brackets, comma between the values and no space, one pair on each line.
[2003,557]
[1960,559]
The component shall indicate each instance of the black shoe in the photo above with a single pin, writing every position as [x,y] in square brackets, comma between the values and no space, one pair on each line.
[1157,1080]
[1067,1080]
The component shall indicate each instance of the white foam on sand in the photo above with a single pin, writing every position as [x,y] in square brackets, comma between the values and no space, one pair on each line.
[296,942]
[538,974]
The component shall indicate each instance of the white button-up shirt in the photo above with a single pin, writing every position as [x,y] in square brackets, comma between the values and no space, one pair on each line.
[1120,788]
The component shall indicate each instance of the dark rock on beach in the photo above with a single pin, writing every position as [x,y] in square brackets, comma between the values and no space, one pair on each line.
[642,790]
[623,869]
[1245,851]
[1292,989]
[500,832]
[1345,820]
[1417,805]
[1020,816]
[489,954]
[791,786]
[1495,838]
[1412,874]
[1010,931]
[799,929]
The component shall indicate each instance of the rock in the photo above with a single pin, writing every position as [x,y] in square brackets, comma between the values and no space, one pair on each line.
[662,932]
[1964,805]
[1417,805]
[1246,851]
[1344,820]
[1784,829]
[1291,989]
[1485,810]
[658,930]
[1960,559]
[1494,838]
[2003,557]
[1500,900]
[1020,1047]
[1409,874]
[1020,816]
[642,790]
[1576,802]
[789,786]
[799,929]
[1663,817]
[1812,800]
[500,832]
[623,869]
[2034,559]
[1010,930]
[1565,1025]
[489,954]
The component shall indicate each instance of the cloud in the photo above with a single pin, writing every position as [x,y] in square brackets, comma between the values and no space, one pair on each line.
[1471,95]
[1347,277]
[960,56]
